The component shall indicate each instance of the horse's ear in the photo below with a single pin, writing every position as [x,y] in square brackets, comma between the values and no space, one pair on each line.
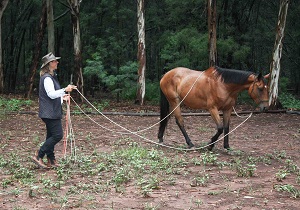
[259,77]
[267,76]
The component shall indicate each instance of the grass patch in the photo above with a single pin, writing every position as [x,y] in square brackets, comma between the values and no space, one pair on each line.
[9,105]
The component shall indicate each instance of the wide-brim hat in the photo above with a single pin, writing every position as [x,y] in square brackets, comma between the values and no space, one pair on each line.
[48,58]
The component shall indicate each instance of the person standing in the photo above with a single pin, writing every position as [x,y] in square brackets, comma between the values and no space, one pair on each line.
[51,97]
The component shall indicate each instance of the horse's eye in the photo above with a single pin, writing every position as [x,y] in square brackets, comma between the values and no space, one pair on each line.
[260,87]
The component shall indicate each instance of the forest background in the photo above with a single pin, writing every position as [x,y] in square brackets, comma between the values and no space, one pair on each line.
[176,35]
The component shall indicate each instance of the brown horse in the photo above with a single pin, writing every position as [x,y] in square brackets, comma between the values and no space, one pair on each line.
[215,89]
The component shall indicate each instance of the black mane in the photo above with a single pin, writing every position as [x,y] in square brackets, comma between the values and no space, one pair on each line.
[233,76]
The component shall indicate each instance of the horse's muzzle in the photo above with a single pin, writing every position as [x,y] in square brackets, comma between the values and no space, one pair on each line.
[263,107]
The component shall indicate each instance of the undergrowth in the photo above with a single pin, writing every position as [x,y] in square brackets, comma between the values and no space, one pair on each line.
[146,170]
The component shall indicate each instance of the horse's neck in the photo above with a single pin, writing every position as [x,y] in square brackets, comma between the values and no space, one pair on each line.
[235,89]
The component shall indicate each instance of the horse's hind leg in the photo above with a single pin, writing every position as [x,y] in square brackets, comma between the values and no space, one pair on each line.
[162,128]
[164,112]
[180,123]
[187,138]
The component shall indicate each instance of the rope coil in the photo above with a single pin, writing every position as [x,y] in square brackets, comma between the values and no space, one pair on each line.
[69,134]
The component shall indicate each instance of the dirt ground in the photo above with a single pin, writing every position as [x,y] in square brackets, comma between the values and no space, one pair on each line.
[265,135]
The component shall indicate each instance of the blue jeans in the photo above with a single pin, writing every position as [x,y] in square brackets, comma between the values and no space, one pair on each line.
[54,135]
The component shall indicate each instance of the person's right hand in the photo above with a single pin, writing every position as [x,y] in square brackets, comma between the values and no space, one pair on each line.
[69,88]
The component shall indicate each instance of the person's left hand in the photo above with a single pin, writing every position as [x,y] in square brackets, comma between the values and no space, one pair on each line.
[66,97]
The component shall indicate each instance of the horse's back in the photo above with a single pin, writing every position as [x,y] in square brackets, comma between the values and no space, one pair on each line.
[177,75]
[201,89]
[180,72]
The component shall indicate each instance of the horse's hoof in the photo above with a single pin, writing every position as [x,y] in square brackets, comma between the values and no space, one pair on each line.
[191,145]
[210,147]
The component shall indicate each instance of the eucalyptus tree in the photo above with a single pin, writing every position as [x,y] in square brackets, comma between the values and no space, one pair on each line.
[3,4]
[50,26]
[38,47]
[19,23]
[277,52]
[141,54]
[75,9]
[212,31]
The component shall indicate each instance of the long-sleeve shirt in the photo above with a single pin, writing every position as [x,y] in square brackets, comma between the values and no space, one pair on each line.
[51,92]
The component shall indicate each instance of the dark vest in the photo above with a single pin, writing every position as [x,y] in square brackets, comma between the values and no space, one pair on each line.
[49,108]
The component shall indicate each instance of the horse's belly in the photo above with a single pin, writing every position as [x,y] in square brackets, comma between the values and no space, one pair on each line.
[196,103]
[207,103]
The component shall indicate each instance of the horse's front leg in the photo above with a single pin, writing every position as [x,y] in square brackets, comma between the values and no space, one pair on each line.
[216,117]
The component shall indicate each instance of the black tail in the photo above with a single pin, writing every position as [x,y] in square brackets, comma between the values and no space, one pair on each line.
[164,111]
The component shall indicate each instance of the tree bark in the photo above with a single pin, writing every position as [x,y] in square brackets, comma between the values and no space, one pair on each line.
[74,6]
[50,26]
[277,51]
[212,31]
[3,4]
[38,47]
[141,55]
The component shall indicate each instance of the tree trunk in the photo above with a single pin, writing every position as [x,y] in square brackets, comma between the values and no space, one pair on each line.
[37,49]
[212,31]
[3,5]
[141,55]
[74,6]
[50,26]
[277,51]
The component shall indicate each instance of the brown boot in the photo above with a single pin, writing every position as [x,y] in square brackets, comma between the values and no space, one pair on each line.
[39,161]
[52,163]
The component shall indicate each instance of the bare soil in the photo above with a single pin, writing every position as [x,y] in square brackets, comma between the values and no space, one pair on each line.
[275,137]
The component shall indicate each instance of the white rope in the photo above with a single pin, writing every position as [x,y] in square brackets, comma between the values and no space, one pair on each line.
[237,113]
[72,138]
[151,141]
[139,131]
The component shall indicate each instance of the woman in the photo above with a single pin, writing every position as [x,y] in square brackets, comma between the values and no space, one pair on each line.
[51,97]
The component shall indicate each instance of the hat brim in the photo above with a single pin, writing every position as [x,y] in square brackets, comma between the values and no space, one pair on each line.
[53,59]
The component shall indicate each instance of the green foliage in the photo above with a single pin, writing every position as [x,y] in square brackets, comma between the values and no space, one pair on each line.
[209,158]
[94,67]
[244,169]
[152,91]
[147,170]
[295,193]
[176,35]
[289,101]
[14,104]
[147,185]
[281,174]
[187,47]
[124,81]
[283,84]
[229,49]
[200,180]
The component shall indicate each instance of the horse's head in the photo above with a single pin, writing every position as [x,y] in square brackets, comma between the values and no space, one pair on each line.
[259,92]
